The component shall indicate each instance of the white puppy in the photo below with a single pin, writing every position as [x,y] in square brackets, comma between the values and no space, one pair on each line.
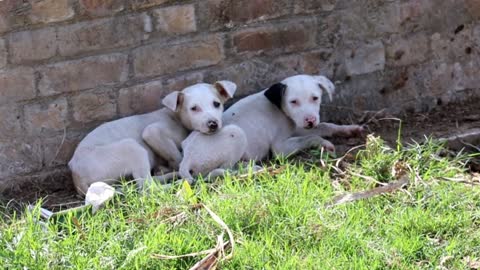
[201,159]
[121,147]
[284,119]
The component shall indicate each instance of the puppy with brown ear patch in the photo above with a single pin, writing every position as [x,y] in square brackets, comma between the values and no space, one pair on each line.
[134,145]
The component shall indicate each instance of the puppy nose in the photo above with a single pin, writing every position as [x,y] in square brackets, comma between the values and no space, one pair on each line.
[212,125]
[310,121]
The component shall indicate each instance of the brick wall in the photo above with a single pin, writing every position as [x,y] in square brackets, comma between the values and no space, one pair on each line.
[68,65]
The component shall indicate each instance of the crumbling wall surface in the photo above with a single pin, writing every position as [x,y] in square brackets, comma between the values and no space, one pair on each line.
[68,65]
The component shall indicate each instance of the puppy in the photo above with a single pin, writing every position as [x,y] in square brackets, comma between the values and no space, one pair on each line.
[200,159]
[284,118]
[134,145]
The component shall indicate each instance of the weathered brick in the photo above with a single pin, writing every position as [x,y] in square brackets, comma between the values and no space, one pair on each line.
[147,97]
[102,34]
[473,7]
[366,58]
[308,6]
[403,51]
[3,54]
[250,76]
[94,106]
[16,85]
[227,13]
[8,10]
[47,11]
[40,118]
[287,38]
[137,4]
[447,47]
[58,150]
[158,59]
[318,62]
[101,7]
[176,19]
[20,157]
[32,45]
[10,121]
[83,74]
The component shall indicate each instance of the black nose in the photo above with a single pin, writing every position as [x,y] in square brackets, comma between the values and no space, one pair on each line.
[309,125]
[212,125]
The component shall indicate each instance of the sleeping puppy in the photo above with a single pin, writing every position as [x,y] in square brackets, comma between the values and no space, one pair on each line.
[285,118]
[134,145]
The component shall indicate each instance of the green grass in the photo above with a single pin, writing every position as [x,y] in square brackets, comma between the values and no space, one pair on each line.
[279,221]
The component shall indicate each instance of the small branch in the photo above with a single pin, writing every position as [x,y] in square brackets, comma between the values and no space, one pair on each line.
[351,197]
[225,227]
[194,254]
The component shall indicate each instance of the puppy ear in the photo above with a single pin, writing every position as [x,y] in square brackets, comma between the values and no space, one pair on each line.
[226,89]
[173,101]
[275,94]
[326,85]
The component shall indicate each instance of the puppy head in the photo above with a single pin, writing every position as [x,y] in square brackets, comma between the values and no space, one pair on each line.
[299,97]
[200,106]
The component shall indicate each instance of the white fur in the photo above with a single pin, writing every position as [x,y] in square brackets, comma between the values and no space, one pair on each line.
[134,145]
[282,131]
[201,159]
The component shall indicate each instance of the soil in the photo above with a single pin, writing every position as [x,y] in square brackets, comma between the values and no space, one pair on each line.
[442,122]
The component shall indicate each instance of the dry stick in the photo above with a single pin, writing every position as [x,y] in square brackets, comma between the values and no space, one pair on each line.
[225,227]
[60,146]
[369,178]
[194,254]
[391,187]
[459,180]
[470,145]
[206,263]
[210,261]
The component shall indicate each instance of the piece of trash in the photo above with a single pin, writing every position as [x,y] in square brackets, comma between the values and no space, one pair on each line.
[98,194]
[44,213]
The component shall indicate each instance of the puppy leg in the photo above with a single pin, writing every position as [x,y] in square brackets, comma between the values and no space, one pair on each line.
[215,173]
[160,139]
[294,144]
[330,130]
[166,178]
[107,163]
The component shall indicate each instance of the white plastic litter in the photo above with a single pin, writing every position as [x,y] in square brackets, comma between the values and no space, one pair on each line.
[98,194]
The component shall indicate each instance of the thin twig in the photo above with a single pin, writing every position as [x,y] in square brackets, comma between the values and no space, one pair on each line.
[351,197]
[60,146]
[348,152]
[224,226]
[194,254]
[460,181]
[369,178]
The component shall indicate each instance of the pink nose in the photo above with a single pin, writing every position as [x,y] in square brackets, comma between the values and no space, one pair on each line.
[310,120]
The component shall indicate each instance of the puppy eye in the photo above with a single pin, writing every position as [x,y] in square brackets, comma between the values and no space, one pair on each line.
[294,102]
[194,108]
[216,104]
[315,98]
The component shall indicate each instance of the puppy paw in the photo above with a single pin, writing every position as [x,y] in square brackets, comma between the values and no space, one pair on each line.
[352,131]
[328,146]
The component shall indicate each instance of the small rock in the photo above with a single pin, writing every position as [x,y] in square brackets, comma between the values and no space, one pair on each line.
[98,194]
